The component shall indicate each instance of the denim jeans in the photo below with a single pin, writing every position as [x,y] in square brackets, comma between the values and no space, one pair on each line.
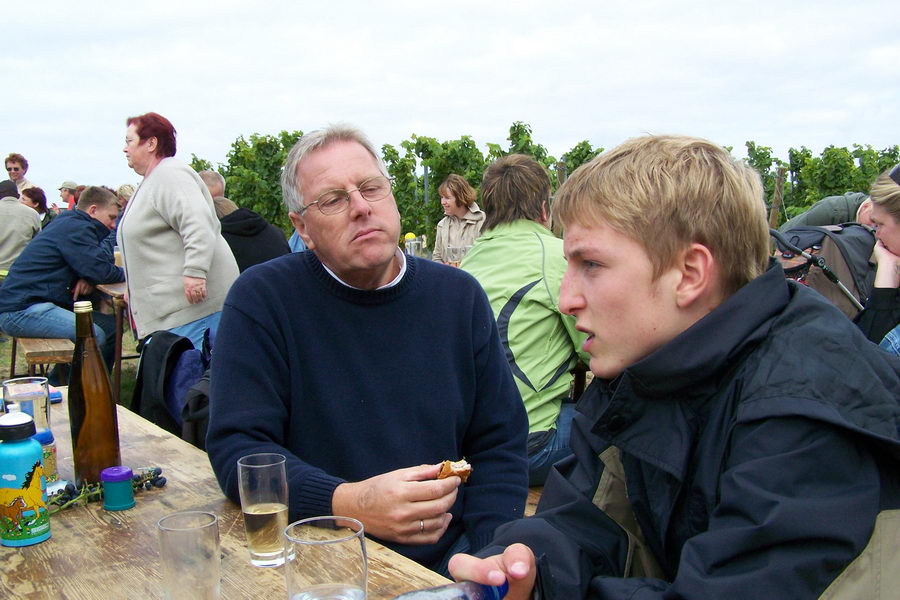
[47,320]
[461,545]
[194,330]
[891,341]
[556,448]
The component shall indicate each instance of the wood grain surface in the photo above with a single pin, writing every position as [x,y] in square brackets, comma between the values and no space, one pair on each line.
[94,553]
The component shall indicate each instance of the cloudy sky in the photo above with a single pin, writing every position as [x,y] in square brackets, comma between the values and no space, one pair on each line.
[783,74]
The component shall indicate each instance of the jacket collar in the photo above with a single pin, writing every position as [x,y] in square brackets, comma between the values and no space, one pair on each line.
[98,228]
[474,214]
[691,367]
[517,227]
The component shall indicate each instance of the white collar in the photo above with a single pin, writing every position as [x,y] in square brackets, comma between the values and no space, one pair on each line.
[391,283]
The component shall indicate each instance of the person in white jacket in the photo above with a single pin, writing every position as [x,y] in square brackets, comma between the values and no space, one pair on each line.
[463,221]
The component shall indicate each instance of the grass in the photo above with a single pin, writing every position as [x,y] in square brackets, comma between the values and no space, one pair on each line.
[129,367]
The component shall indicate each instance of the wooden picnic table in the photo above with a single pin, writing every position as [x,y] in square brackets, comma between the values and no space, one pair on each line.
[94,553]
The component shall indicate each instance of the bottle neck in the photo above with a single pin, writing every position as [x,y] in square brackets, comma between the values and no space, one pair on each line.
[84,325]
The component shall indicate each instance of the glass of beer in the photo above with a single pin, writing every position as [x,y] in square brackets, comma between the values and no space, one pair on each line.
[326,559]
[117,255]
[454,255]
[264,495]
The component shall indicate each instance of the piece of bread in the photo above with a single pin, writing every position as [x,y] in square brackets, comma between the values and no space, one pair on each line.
[460,468]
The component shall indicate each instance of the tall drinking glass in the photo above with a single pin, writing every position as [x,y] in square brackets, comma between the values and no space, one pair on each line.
[454,254]
[31,394]
[413,247]
[189,555]
[326,559]
[264,496]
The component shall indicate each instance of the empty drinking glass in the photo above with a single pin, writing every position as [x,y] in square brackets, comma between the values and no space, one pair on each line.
[189,555]
[326,559]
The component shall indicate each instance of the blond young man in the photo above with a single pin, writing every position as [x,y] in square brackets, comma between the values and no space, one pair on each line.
[740,439]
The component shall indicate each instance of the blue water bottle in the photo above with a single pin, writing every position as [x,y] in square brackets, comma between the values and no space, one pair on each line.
[24,517]
[461,590]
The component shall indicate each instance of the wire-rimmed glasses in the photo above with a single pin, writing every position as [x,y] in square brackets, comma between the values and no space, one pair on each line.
[335,201]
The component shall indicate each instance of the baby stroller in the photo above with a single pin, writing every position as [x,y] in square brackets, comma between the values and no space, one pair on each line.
[840,255]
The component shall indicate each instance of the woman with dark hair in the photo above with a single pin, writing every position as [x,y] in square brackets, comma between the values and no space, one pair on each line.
[179,267]
[463,219]
[34,197]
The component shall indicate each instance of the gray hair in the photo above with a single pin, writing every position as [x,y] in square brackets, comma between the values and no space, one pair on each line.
[212,178]
[317,140]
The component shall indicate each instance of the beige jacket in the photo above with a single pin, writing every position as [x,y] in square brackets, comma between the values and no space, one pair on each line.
[169,230]
[18,224]
[453,231]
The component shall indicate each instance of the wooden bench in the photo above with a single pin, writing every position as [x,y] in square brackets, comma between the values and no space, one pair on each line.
[40,352]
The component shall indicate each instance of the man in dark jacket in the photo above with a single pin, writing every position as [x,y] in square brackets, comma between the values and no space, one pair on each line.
[64,262]
[251,238]
[740,439]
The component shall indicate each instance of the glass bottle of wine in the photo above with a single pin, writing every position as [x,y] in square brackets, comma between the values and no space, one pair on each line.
[92,412]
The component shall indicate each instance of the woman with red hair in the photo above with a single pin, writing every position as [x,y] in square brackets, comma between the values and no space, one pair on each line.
[179,267]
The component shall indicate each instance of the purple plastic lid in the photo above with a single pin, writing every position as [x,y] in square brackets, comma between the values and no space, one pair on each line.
[113,474]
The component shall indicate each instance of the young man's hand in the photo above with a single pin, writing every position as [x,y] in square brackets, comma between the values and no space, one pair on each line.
[81,288]
[516,565]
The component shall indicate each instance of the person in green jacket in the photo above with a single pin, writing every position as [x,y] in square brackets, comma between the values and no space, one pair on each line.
[520,264]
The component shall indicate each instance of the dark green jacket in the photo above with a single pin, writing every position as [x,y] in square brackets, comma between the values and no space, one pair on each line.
[831,210]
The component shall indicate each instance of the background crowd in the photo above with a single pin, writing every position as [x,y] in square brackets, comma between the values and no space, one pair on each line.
[497,340]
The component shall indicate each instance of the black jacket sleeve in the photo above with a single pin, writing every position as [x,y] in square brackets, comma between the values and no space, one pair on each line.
[798,499]
[882,313]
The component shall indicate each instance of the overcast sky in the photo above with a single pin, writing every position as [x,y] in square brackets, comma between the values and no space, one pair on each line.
[783,74]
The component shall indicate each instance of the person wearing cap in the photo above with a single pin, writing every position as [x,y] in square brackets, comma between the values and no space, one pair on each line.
[67,194]
[18,224]
[882,311]
[16,167]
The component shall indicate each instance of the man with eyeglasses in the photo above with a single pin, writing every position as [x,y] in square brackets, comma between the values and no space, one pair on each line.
[16,167]
[366,368]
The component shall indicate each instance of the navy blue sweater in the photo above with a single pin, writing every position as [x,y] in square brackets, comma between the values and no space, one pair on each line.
[53,261]
[351,384]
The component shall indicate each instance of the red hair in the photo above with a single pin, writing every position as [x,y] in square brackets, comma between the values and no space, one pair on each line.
[155,125]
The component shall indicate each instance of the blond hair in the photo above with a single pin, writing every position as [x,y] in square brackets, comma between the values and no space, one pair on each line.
[667,192]
[223,206]
[885,193]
